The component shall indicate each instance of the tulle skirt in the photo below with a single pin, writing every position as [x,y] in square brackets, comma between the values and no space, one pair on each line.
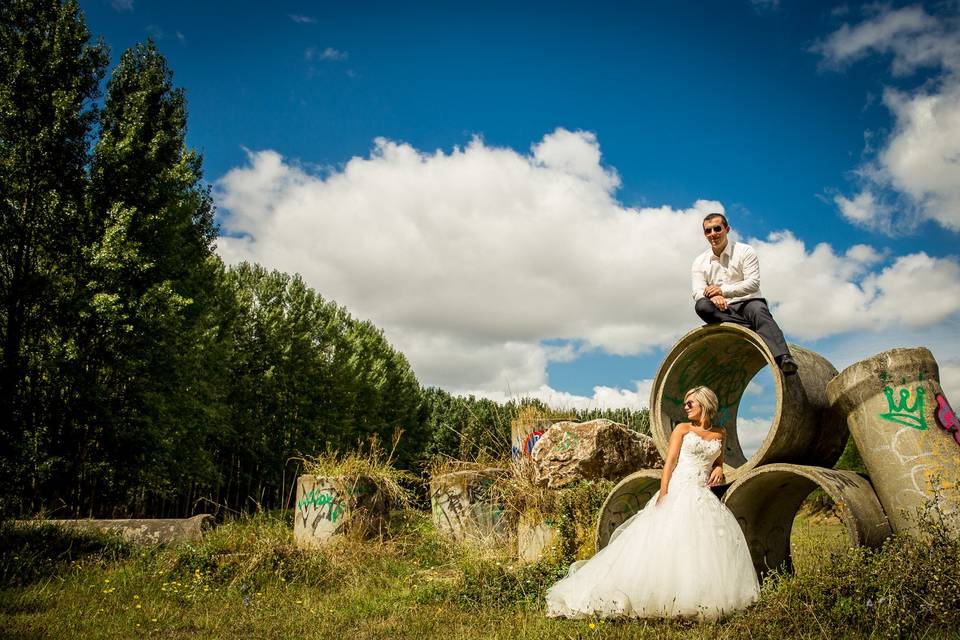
[686,557]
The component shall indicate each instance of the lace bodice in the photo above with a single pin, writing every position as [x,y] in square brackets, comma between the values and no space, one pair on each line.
[696,459]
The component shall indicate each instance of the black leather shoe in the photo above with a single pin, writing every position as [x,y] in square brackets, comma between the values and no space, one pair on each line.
[787,364]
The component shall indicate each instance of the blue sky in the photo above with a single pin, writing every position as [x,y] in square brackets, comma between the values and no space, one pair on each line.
[513,190]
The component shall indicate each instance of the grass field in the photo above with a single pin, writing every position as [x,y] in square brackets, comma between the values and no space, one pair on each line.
[247,580]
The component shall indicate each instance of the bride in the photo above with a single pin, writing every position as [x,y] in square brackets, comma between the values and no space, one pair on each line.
[683,554]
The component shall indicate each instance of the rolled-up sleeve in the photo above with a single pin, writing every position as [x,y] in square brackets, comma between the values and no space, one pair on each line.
[750,269]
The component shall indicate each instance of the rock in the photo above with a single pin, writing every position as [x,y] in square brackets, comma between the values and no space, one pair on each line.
[601,448]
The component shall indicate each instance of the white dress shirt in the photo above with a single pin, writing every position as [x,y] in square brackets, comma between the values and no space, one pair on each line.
[736,270]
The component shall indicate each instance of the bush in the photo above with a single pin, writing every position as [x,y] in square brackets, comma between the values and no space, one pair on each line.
[29,553]
[906,588]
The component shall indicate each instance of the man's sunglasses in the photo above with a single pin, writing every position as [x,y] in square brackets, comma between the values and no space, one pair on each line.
[715,229]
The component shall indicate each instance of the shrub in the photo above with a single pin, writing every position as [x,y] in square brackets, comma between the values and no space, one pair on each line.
[29,552]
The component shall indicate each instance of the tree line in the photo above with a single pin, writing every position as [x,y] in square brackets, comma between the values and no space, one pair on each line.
[139,375]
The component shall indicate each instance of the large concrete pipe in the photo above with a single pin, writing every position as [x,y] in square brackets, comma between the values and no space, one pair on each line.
[766,500]
[627,498]
[143,531]
[905,430]
[726,357]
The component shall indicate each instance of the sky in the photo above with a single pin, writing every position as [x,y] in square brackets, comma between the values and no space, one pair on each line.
[513,191]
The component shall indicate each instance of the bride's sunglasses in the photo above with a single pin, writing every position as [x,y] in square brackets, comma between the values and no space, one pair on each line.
[688,404]
[714,229]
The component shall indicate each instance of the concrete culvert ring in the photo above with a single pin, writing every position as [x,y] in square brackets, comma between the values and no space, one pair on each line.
[765,502]
[627,498]
[726,357]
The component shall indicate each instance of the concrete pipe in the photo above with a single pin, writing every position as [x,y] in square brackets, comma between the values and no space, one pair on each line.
[326,505]
[627,498]
[906,431]
[143,531]
[726,357]
[766,500]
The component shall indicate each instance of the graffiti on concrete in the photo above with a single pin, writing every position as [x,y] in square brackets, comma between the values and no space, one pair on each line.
[723,372]
[625,505]
[466,508]
[531,441]
[526,447]
[839,480]
[901,411]
[946,417]
[323,503]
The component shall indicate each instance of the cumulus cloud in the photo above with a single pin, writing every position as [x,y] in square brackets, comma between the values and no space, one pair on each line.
[841,293]
[915,175]
[751,432]
[602,398]
[484,264]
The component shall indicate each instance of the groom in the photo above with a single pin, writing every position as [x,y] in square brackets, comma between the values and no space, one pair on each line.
[726,287]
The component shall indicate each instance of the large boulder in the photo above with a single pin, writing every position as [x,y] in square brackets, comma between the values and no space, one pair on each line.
[601,448]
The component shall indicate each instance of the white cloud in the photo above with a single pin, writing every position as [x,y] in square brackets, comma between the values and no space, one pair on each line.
[313,53]
[300,19]
[840,294]
[919,165]
[751,432]
[942,340]
[123,6]
[484,264]
[602,398]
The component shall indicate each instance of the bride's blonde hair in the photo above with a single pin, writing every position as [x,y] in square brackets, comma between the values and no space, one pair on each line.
[707,400]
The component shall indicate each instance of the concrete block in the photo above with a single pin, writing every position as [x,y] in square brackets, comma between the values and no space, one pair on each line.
[465,509]
[326,506]
[535,538]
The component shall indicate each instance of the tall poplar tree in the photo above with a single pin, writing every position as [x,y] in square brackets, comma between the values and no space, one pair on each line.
[152,334]
[49,77]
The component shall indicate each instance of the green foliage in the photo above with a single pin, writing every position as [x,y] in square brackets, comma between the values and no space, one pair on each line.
[850,459]
[30,553]
[907,588]
[490,583]
[246,578]
[470,428]
[49,78]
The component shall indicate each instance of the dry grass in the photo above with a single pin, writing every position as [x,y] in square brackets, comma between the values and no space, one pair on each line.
[371,462]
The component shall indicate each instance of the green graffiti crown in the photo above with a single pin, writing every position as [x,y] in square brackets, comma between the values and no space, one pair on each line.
[903,413]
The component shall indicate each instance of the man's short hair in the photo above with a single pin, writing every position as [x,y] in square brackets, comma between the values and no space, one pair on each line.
[717,215]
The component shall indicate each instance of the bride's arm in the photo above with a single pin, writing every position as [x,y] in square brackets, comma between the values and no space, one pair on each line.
[716,474]
[673,452]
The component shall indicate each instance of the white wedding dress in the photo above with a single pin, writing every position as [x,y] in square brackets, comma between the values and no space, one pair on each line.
[684,557]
